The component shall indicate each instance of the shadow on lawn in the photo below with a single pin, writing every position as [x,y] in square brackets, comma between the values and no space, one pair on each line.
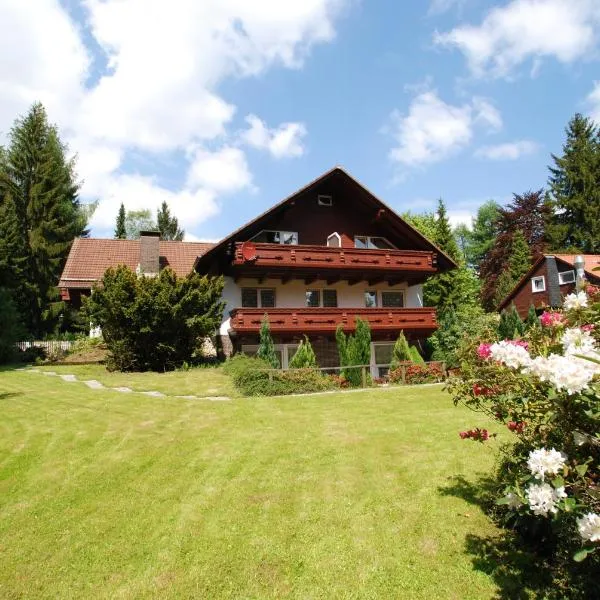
[518,573]
[7,395]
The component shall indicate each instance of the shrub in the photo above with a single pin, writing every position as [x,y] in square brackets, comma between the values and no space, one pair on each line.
[354,350]
[416,356]
[510,326]
[401,352]
[304,358]
[154,323]
[546,390]
[266,348]
[411,373]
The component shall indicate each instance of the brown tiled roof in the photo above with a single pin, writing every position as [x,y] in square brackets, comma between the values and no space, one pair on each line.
[90,257]
[591,261]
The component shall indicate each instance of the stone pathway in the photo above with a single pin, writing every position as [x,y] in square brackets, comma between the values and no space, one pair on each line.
[93,384]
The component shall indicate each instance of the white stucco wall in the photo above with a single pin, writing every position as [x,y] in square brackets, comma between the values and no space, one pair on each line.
[292,294]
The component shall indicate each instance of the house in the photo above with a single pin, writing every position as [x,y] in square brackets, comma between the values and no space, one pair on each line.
[548,281]
[327,254]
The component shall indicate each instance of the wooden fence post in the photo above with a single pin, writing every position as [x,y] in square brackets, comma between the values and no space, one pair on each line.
[363,373]
[403,373]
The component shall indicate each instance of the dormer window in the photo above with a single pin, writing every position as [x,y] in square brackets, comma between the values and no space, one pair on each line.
[324,200]
[372,242]
[267,236]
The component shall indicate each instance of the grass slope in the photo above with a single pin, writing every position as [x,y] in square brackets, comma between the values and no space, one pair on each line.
[107,495]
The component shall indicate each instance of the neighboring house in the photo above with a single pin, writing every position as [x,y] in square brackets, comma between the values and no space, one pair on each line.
[327,254]
[548,281]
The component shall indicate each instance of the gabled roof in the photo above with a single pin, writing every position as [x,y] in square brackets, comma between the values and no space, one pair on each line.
[591,261]
[90,257]
[444,261]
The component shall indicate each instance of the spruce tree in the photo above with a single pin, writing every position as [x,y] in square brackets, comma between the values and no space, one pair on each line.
[520,256]
[575,189]
[532,319]
[266,348]
[401,352]
[37,176]
[444,237]
[168,225]
[120,230]
[304,357]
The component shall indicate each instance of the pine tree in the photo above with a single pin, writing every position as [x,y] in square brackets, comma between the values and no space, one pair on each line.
[168,225]
[415,356]
[120,230]
[40,180]
[520,256]
[266,348]
[575,189]
[444,237]
[401,352]
[304,357]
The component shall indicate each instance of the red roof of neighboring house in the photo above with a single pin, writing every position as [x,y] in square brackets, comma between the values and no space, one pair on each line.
[90,257]
[591,261]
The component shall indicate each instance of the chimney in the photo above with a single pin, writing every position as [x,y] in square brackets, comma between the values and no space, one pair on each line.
[149,252]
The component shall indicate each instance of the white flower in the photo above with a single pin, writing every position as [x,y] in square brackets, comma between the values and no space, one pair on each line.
[568,372]
[510,354]
[542,461]
[589,527]
[512,500]
[577,341]
[574,301]
[543,498]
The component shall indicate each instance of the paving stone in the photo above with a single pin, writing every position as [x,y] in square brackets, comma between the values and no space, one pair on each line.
[122,389]
[93,384]
[217,398]
[68,377]
[49,372]
[188,397]
[154,393]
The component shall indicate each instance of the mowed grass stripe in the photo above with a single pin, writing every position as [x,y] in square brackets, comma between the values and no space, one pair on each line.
[110,495]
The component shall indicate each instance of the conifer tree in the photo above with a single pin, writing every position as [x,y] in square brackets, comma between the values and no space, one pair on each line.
[168,224]
[532,319]
[483,234]
[520,256]
[444,237]
[401,352]
[304,357]
[266,348]
[575,189]
[120,230]
[40,181]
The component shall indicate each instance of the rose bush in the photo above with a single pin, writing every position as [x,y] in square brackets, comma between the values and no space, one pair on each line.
[545,388]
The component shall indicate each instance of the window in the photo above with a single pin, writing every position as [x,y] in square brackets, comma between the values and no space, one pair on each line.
[538,284]
[334,240]
[258,298]
[372,242]
[392,299]
[313,298]
[371,299]
[330,298]
[276,237]
[323,200]
[566,277]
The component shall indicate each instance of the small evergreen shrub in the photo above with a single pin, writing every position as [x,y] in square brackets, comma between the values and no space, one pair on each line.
[401,352]
[354,350]
[416,356]
[266,348]
[304,358]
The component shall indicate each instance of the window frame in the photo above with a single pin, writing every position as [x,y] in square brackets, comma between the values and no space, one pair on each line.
[313,291]
[374,292]
[372,237]
[400,292]
[259,301]
[325,200]
[336,235]
[571,272]
[541,278]
[281,233]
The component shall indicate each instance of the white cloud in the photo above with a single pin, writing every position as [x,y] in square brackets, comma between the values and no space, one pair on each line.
[224,170]
[433,130]
[283,142]
[460,218]
[508,151]
[437,7]
[160,91]
[593,100]
[524,30]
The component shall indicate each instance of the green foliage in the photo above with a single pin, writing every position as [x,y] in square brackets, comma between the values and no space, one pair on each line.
[120,227]
[255,377]
[424,223]
[413,374]
[444,237]
[401,352]
[504,285]
[510,326]
[532,320]
[481,238]
[304,357]
[168,225]
[354,350]
[40,214]
[415,356]
[154,323]
[457,327]
[138,220]
[11,330]
[574,189]
[266,348]
[520,256]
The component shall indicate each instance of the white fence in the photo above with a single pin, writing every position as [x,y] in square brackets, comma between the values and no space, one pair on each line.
[49,346]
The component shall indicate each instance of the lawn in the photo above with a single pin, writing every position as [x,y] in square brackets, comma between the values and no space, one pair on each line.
[208,381]
[108,495]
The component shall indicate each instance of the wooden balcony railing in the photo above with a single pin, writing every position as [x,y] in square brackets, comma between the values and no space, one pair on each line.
[325,258]
[326,320]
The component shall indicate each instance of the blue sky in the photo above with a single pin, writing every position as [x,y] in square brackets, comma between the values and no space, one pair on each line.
[223,107]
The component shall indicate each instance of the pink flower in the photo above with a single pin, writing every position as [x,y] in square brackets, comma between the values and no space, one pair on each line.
[516,426]
[587,328]
[484,351]
[551,319]
[521,343]
[477,434]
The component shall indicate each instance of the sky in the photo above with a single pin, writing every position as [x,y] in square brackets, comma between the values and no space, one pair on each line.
[224,107]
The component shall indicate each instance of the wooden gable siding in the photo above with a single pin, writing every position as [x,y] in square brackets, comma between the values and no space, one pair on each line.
[525,297]
[348,217]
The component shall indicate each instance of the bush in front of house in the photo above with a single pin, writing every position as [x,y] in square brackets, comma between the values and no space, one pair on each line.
[154,323]
[304,358]
[266,347]
[417,373]
[255,377]
[354,350]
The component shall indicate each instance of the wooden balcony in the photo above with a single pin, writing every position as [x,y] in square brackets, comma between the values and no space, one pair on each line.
[326,320]
[263,259]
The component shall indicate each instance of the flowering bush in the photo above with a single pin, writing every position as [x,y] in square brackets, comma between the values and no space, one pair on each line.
[545,388]
[413,374]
